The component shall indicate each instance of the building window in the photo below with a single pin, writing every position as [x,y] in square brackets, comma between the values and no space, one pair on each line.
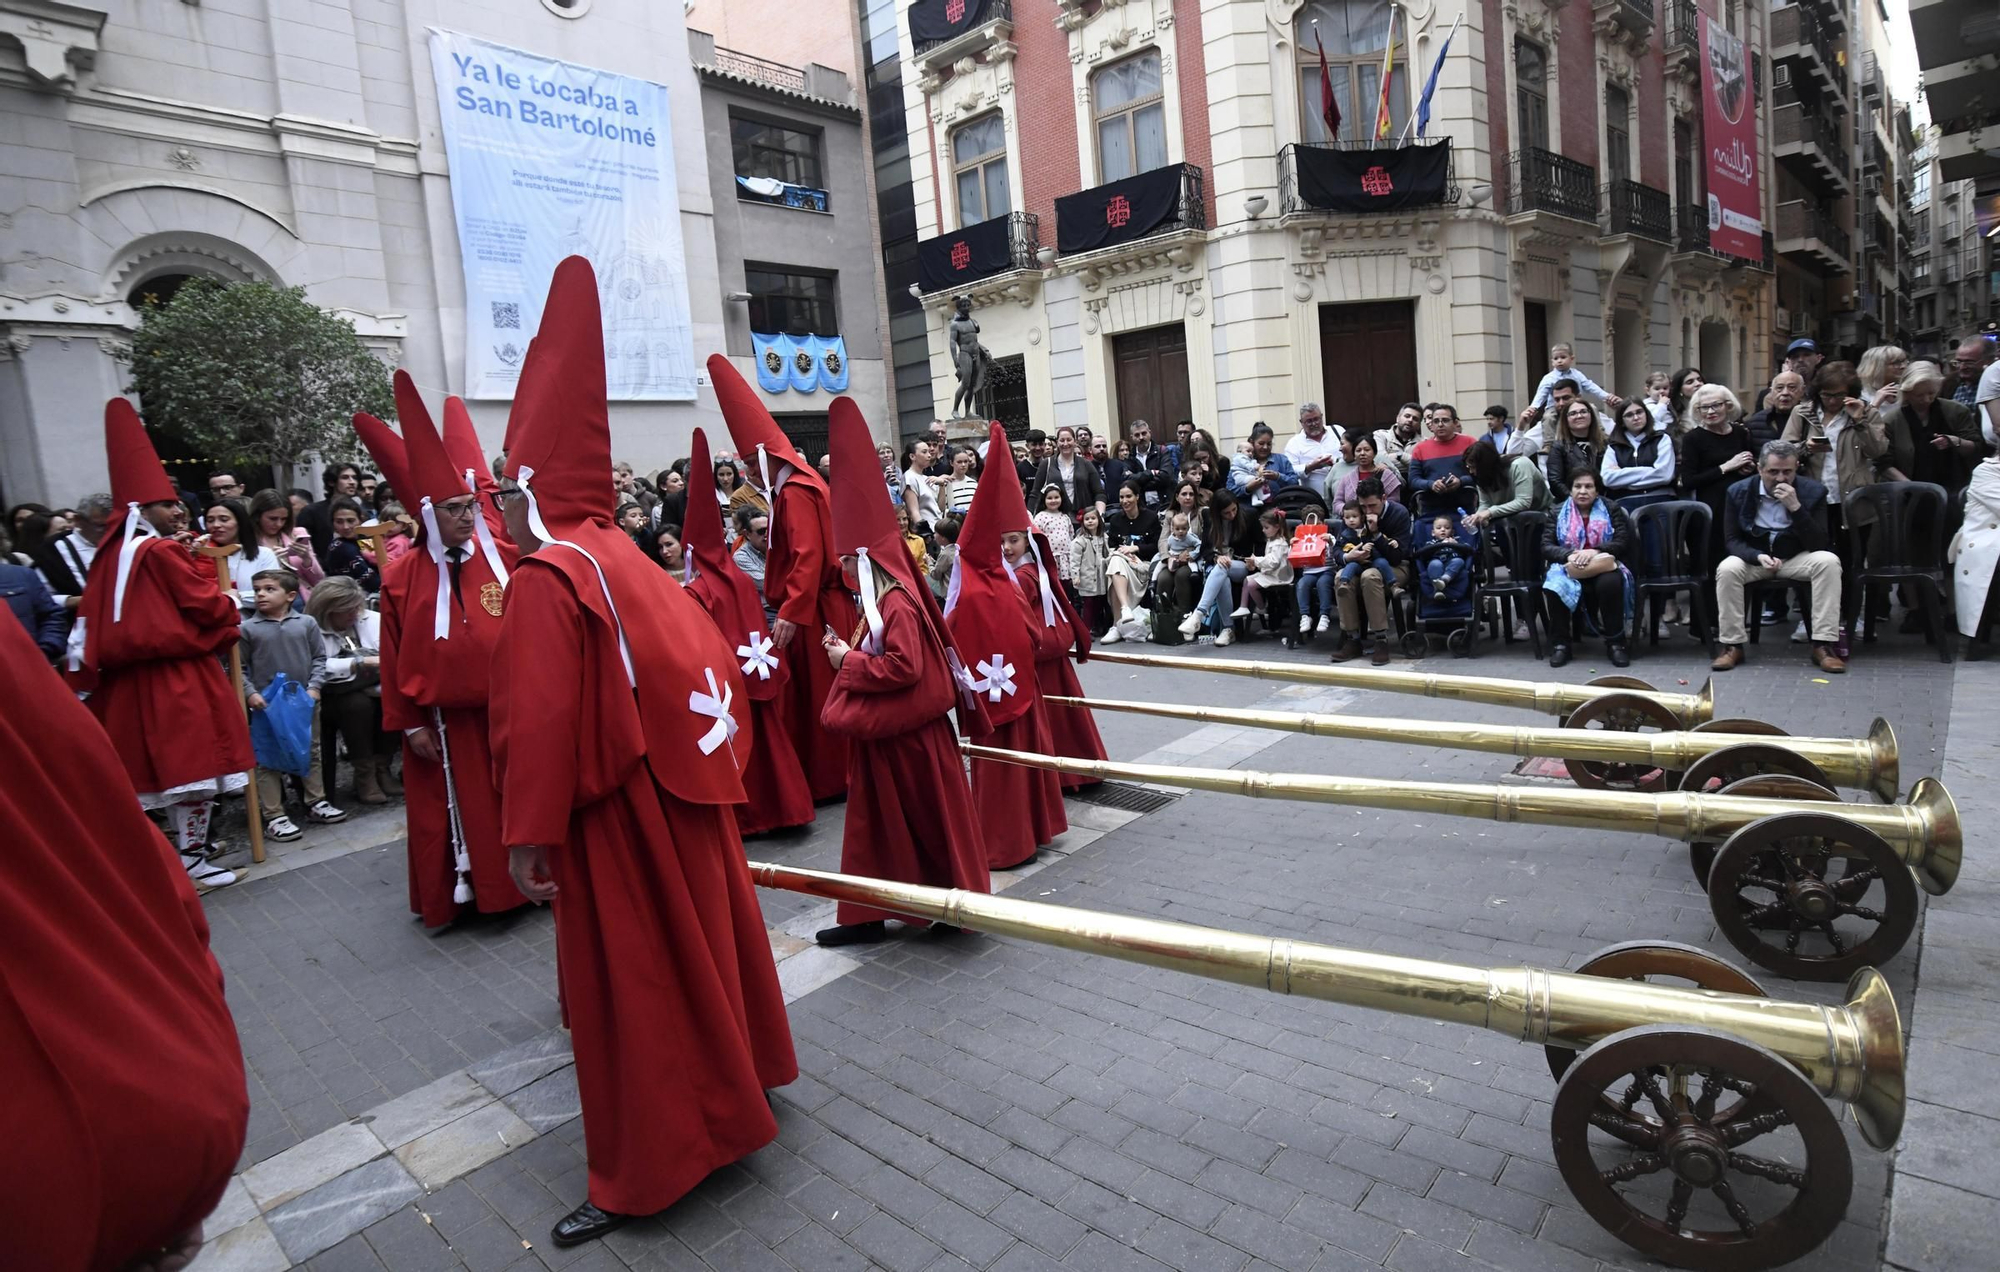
[979,166]
[1617,133]
[767,153]
[1531,93]
[1131,117]
[1686,193]
[784,302]
[1353,33]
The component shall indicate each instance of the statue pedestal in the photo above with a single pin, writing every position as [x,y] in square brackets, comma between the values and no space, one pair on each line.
[966,428]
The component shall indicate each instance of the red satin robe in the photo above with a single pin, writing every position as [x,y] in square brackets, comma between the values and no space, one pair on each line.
[1019,809]
[909,810]
[773,776]
[667,975]
[160,691]
[802,583]
[122,1101]
[419,674]
[1072,730]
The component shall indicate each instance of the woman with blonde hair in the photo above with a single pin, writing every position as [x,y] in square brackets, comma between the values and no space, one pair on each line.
[351,697]
[1881,370]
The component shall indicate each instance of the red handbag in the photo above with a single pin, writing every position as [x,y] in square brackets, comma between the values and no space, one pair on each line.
[1309,544]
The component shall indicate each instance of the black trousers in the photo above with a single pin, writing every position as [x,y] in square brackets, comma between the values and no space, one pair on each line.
[356,716]
[1604,594]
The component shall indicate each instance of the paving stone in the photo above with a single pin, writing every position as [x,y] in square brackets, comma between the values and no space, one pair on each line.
[1934,1228]
[247,1247]
[1432,1220]
[1038,1223]
[1273,1242]
[460,1147]
[964,1234]
[1489,1201]
[336,1210]
[489,1245]
[813,1247]
[1181,1247]
[1107,1212]
[236,1208]
[548,1101]
[313,1162]
[892,1245]
[351,1255]
[507,1071]
[1177,1199]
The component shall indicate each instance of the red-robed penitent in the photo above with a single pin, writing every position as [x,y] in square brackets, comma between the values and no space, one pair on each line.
[614,700]
[439,677]
[1072,730]
[1020,809]
[122,1100]
[909,811]
[801,574]
[773,779]
[154,618]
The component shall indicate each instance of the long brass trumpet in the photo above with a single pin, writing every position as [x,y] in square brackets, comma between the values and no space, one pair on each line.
[1787,848]
[1869,764]
[1550,697]
[1726,1055]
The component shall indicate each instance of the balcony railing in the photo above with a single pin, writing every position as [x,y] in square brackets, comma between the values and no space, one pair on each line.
[1632,208]
[1802,223]
[1297,190]
[1683,29]
[1797,25]
[760,69]
[1128,210]
[1691,228]
[1635,16]
[993,11]
[1795,124]
[1540,180]
[1871,78]
[947,262]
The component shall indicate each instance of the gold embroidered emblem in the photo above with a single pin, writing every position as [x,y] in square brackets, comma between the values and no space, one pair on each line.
[490,595]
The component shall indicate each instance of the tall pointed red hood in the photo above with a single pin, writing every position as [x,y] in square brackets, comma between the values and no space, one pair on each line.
[430,469]
[386,449]
[702,534]
[751,426]
[564,434]
[137,476]
[726,592]
[998,507]
[862,514]
[461,442]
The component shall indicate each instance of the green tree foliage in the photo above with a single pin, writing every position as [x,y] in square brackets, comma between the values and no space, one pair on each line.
[253,374]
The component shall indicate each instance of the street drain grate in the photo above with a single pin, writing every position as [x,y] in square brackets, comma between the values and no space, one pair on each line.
[1124,796]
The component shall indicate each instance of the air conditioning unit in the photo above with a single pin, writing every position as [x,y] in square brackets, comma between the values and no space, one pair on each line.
[1781,75]
[1784,318]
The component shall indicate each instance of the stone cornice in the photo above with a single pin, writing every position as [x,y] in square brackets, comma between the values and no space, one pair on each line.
[215,127]
[56,39]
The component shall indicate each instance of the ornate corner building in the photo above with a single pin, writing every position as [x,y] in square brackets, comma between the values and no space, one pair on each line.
[1155,217]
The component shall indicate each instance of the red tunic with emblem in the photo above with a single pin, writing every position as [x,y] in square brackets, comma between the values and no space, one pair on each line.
[122,1100]
[157,685]
[1072,730]
[612,702]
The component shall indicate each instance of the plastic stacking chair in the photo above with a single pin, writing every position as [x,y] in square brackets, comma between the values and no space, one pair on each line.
[1680,529]
[1896,530]
[1517,546]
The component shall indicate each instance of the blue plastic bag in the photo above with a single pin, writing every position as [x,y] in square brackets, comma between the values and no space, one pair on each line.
[282,732]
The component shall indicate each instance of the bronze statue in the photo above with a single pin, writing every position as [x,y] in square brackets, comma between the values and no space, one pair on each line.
[969,357]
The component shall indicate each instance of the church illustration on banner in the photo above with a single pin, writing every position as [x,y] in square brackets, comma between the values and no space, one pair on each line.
[648,338]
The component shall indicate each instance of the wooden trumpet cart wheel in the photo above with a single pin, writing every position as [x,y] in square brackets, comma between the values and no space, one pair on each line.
[1701,852]
[1756,728]
[1625,713]
[1732,764]
[1812,896]
[1726,1158]
[1660,963]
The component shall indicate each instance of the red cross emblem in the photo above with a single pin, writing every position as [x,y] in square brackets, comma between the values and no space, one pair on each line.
[961,255]
[954,10]
[1376,181]
[1118,211]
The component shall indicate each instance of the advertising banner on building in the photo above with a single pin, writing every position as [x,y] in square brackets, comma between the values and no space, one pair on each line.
[551,160]
[1729,132]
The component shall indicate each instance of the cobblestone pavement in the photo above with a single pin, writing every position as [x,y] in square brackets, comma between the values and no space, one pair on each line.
[990,1103]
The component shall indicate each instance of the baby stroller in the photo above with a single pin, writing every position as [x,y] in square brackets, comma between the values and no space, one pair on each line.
[1449,618]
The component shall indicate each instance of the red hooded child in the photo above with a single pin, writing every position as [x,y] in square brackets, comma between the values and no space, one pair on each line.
[151,622]
[773,778]
[620,723]
[909,810]
[441,608]
[802,575]
[124,1100]
[1072,730]
[1019,809]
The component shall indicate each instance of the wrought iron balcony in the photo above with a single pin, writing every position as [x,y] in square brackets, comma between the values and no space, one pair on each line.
[972,36]
[1808,142]
[1871,79]
[1683,38]
[1304,169]
[1161,201]
[1540,180]
[1635,16]
[1799,36]
[947,262]
[1632,208]
[1810,234]
[1691,228]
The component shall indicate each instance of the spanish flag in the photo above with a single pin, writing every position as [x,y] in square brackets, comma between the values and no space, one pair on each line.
[1382,122]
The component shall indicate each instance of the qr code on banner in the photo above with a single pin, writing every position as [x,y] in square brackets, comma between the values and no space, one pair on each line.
[507,315]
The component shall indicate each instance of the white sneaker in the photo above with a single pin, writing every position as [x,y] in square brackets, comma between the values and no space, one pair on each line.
[1227,636]
[1325,625]
[325,813]
[1110,638]
[204,875]
[1241,611]
[282,828]
[1130,615]
[1306,624]
[1191,624]
[1799,633]
[1521,631]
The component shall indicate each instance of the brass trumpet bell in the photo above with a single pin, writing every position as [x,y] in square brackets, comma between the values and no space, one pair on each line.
[1738,1065]
[1787,868]
[1869,764]
[1554,698]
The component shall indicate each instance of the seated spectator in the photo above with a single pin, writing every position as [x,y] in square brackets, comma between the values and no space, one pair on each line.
[1134,535]
[1975,551]
[1931,437]
[1365,469]
[1260,474]
[1177,566]
[1437,465]
[1774,526]
[347,556]
[1579,447]
[1841,440]
[1637,466]
[939,575]
[1787,387]
[1715,456]
[350,704]
[1270,567]
[1503,485]
[1089,559]
[1585,544]
[1229,538]
[32,604]
[276,639]
[1445,559]
[1317,451]
[1392,444]
[1360,547]
[1368,596]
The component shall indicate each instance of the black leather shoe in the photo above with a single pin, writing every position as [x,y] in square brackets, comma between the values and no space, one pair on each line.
[585,1223]
[1619,658]
[852,934]
[1558,655]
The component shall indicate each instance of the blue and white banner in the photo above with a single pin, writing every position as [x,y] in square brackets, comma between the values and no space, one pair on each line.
[832,364]
[774,356]
[802,370]
[550,160]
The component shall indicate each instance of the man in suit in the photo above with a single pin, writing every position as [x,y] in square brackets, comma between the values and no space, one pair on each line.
[1773,526]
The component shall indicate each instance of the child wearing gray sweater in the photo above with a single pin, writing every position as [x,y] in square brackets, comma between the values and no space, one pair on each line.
[276,639]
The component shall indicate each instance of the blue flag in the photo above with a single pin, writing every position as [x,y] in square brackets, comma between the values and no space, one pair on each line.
[774,356]
[1430,85]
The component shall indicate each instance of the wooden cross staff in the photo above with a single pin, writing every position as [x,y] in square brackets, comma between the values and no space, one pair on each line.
[220,556]
[377,533]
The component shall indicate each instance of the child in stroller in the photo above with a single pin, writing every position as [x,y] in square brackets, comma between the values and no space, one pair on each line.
[1445,551]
